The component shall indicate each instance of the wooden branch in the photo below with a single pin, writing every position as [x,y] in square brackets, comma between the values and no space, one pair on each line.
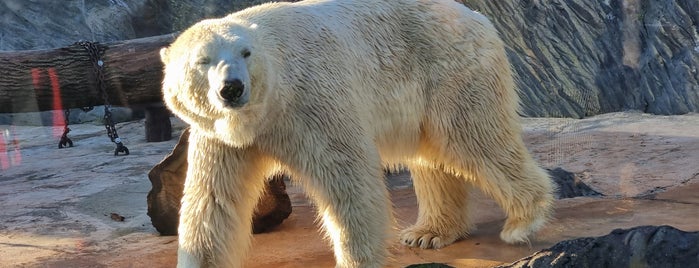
[41,80]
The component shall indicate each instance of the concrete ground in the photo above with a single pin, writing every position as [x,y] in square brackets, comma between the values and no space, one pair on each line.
[57,203]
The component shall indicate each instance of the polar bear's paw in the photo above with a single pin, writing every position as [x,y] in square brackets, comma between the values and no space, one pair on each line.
[519,231]
[424,237]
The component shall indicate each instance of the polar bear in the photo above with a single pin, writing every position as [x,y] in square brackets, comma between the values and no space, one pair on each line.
[331,92]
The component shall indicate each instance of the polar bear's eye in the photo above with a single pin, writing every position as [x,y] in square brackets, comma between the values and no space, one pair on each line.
[203,61]
[245,53]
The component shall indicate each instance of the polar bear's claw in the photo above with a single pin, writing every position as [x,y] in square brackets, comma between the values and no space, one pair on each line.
[425,239]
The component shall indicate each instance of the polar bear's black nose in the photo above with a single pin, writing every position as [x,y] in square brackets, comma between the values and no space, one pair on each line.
[232,90]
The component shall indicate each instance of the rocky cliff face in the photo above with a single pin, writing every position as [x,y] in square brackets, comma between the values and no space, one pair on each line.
[573,58]
[578,58]
[35,24]
[46,24]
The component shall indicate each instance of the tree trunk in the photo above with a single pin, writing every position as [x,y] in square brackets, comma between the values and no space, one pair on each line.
[55,79]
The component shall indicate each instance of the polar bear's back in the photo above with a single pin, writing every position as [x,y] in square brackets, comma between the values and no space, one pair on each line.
[375,35]
[407,40]
[393,59]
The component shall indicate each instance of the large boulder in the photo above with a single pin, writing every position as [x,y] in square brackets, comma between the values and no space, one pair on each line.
[167,180]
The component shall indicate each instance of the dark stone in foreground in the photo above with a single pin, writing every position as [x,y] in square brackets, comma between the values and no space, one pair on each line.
[167,179]
[273,207]
[643,246]
[569,185]
[429,265]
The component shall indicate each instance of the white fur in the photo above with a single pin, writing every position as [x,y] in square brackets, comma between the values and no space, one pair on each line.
[337,90]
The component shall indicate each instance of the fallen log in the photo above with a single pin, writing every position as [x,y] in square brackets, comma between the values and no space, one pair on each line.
[42,80]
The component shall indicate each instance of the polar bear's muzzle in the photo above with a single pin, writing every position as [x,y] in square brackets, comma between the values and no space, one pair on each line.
[232,91]
[229,85]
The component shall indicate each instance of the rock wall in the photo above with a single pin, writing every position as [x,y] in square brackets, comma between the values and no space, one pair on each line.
[573,58]
[48,24]
[32,24]
[578,58]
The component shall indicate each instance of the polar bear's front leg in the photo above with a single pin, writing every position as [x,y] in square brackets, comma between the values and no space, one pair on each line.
[222,186]
[353,202]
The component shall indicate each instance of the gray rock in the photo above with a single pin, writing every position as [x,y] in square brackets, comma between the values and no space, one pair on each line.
[186,13]
[644,246]
[96,115]
[76,116]
[50,24]
[570,185]
[579,58]
[29,119]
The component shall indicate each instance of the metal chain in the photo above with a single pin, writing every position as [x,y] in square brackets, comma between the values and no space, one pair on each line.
[66,113]
[65,141]
[95,56]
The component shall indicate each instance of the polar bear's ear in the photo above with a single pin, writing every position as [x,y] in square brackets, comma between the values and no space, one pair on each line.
[163,55]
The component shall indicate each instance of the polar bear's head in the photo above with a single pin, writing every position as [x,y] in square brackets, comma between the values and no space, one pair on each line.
[207,79]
